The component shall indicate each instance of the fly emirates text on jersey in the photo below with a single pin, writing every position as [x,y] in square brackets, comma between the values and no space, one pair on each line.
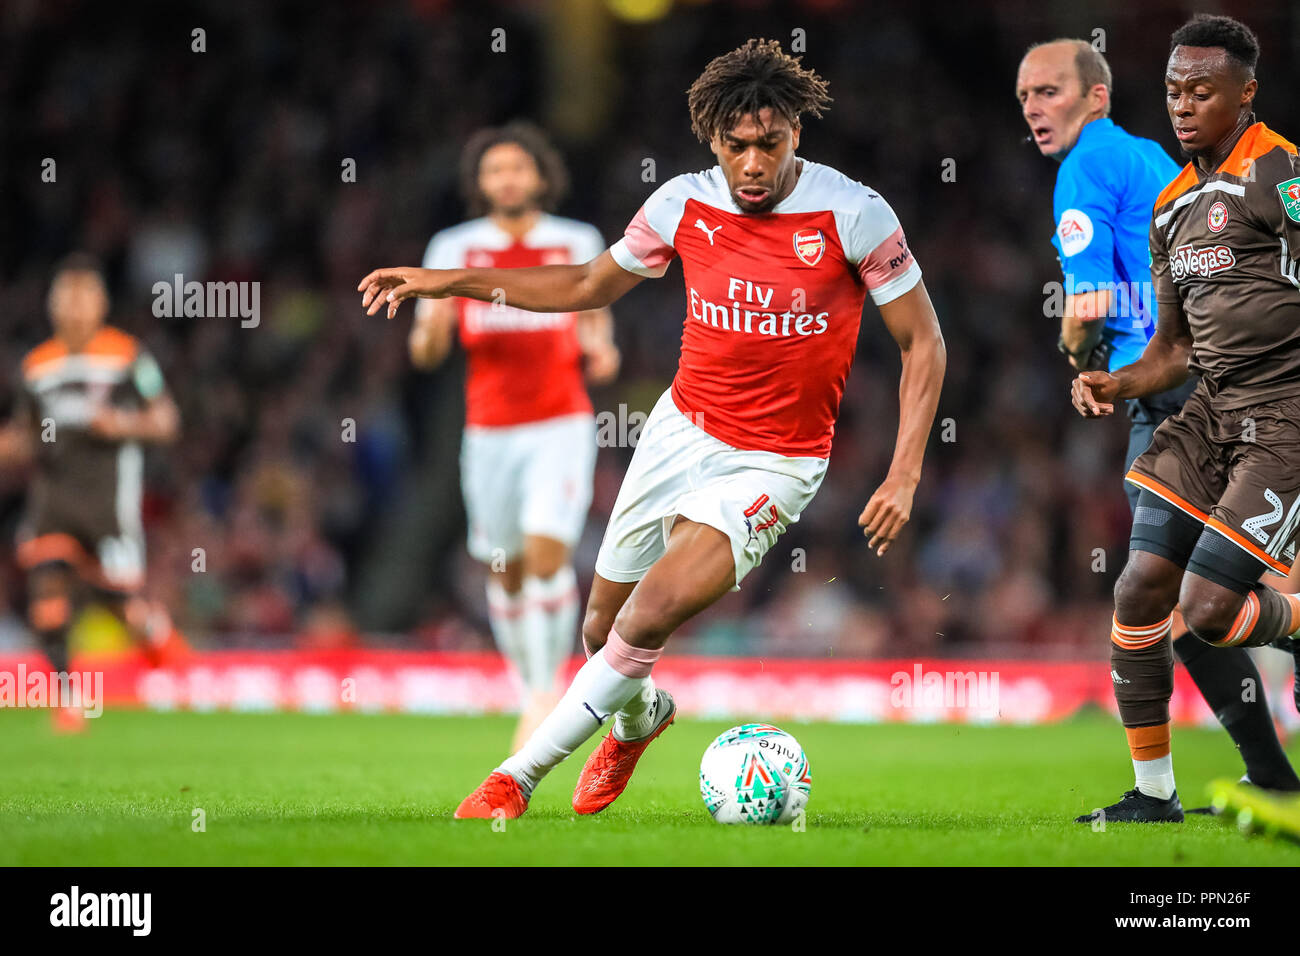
[735,317]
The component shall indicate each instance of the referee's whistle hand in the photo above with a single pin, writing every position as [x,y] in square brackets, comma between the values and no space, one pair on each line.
[1093,393]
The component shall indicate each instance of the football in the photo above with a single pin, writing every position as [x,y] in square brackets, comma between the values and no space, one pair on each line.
[755,773]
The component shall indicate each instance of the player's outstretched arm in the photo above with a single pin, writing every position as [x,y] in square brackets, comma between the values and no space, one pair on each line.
[1163,366]
[575,288]
[912,322]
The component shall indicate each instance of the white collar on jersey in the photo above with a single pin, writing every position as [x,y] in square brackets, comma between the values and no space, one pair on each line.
[789,204]
[543,223]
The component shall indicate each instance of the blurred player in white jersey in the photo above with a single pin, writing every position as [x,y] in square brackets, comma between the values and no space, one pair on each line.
[778,255]
[529,447]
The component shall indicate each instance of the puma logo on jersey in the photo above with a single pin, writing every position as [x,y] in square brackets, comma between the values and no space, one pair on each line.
[699,224]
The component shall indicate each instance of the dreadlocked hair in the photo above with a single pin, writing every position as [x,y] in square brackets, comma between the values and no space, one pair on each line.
[757,75]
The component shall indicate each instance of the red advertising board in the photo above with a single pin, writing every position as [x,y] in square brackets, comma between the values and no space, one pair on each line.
[863,691]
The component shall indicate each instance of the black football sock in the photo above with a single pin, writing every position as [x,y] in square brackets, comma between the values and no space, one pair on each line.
[1221,675]
[55,645]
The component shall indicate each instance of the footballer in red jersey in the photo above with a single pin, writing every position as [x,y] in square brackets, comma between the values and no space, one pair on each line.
[778,256]
[529,447]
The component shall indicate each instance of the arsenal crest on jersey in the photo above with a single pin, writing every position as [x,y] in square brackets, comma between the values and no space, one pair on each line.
[809,244]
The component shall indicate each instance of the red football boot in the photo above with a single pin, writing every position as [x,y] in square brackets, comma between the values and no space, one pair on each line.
[498,796]
[609,768]
[68,720]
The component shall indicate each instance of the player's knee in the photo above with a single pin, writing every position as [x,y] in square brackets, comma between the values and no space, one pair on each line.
[1207,623]
[509,576]
[596,623]
[544,557]
[546,564]
[49,610]
[1209,610]
[1143,596]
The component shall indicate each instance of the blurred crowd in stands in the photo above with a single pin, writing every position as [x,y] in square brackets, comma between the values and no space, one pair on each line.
[229,164]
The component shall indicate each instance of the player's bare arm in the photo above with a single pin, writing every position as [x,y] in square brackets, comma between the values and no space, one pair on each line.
[157,423]
[596,339]
[432,333]
[1082,324]
[1163,366]
[912,322]
[570,288]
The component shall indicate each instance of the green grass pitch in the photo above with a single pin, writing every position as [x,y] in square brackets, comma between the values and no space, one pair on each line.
[286,789]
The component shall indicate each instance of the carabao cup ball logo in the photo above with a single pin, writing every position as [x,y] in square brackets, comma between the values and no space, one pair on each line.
[809,244]
[1218,217]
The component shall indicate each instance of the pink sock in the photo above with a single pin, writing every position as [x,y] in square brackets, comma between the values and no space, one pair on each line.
[628,660]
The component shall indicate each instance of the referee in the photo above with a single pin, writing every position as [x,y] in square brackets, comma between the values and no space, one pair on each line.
[1106,188]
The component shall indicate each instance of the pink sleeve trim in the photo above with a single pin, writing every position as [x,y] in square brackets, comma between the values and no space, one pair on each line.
[887,261]
[646,244]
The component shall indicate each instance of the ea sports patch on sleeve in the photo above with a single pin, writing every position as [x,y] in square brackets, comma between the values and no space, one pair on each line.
[1290,193]
[1075,231]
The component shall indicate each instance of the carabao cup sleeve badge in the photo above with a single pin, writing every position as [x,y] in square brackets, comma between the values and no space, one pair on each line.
[1290,193]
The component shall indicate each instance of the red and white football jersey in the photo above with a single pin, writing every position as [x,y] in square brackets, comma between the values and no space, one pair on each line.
[520,366]
[773,301]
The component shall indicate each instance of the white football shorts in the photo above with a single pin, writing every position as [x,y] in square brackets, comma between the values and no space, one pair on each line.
[680,469]
[530,479]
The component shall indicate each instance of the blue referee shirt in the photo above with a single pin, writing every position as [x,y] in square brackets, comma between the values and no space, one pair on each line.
[1106,189]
